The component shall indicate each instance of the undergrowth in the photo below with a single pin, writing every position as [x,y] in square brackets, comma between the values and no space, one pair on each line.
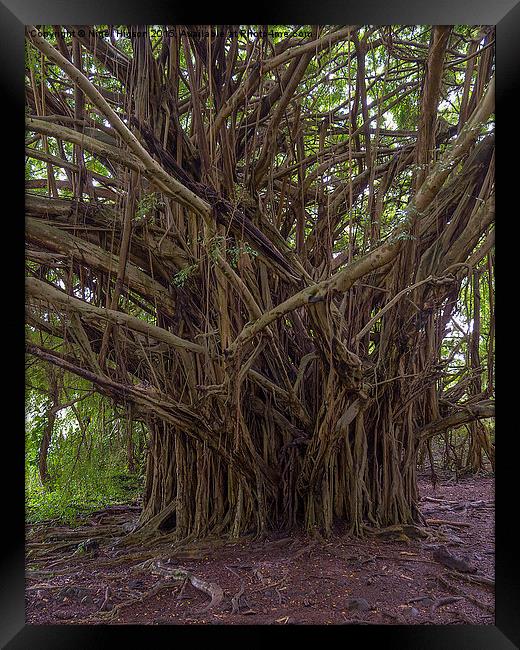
[68,501]
[87,472]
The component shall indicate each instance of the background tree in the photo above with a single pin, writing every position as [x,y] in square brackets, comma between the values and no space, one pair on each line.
[259,245]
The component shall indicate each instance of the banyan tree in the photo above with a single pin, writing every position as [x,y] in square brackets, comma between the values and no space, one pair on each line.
[262,241]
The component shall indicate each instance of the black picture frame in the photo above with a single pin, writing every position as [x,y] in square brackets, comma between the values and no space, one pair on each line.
[14,15]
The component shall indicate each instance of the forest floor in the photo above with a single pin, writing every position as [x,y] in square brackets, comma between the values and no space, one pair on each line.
[382,579]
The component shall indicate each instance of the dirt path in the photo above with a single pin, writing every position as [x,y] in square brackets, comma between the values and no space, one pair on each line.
[383,579]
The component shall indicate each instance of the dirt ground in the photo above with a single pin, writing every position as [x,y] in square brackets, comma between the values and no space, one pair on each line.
[391,578]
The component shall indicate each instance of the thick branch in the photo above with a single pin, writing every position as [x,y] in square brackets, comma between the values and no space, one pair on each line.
[344,279]
[84,252]
[479,411]
[44,291]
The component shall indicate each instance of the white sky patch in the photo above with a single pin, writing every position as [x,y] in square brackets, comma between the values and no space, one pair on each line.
[389,121]
[465,325]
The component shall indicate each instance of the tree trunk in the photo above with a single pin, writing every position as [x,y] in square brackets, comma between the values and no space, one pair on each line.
[45,444]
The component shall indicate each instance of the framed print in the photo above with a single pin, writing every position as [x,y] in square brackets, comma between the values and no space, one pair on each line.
[259,324]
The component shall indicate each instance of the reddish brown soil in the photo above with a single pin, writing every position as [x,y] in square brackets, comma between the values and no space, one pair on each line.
[287,581]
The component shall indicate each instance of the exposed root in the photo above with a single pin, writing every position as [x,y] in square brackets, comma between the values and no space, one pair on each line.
[305,550]
[449,585]
[403,532]
[107,613]
[479,580]
[235,600]
[447,600]
[209,588]
[447,522]
[104,604]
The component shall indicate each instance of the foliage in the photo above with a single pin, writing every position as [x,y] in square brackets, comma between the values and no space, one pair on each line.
[68,501]
[182,277]
[87,470]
